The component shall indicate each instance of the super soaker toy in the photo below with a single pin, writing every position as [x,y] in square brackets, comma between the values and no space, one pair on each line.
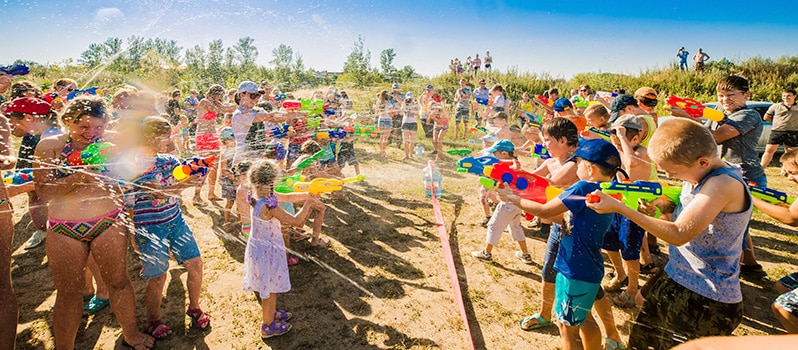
[319,185]
[192,166]
[695,109]
[96,153]
[18,178]
[90,91]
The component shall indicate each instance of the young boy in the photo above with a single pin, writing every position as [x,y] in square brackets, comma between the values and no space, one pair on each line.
[699,293]
[228,177]
[579,264]
[624,239]
[506,214]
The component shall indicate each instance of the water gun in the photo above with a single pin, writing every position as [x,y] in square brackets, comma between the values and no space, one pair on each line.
[329,134]
[534,121]
[192,166]
[292,105]
[286,183]
[319,185]
[18,178]
[604,134]
[308,161]
[482,101]
[280,131]
[312,107]
[695,109]
[96,153]
[481,129]
[90,91]
[51,97]
[314,122]
[770,195]
[545,100]
[475,165]
[459,152]
[360,177]
[524,184]
[361,129]
[629,193]
[540,152]
[580,102]
[278,97]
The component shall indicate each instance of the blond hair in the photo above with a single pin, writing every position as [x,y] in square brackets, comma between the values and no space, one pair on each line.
[599,110]
[682,142]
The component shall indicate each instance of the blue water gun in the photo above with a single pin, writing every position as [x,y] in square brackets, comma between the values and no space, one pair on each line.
[280,131]
[770,195]
[540,152]
[475,165]
[90,91]
[19,178]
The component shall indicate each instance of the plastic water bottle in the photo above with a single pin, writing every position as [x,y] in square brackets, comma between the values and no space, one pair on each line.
[432,183]
[418,150]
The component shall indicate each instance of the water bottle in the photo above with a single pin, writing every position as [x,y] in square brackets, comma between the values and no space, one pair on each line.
[433,182]
[418,150]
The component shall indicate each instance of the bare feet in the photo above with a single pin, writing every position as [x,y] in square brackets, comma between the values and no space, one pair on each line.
[319,242]
[140,342]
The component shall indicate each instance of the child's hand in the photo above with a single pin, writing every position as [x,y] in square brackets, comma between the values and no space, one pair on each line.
[505,194]
[648,208]
[620,131]
[602,203]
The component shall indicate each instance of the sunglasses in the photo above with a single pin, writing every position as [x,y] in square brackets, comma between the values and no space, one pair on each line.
[583,90]
[70,89]
[256,95]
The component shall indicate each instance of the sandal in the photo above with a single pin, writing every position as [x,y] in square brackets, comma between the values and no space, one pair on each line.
[321,242]
[624,301]
[283,315]
[542,323]
[610,344]
[649,269]
[158,329]
[95,305]
[292,260]
[198,318]
[139,345]
[752,269]
[616,284]
[274,329]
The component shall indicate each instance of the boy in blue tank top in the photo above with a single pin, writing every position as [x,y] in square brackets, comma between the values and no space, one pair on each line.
[699,293]
[579,264]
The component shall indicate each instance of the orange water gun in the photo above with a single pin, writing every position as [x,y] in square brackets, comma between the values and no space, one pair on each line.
[695,109]
[192,166]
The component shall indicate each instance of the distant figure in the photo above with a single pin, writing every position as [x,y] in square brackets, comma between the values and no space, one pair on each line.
[785,126]
[488,60]
[477,63]
[699,58]
[682,55]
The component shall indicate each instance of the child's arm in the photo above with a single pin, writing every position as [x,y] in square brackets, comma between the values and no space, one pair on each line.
[297,219]
[719,194]
[628,154]
[543,169]
[787,215]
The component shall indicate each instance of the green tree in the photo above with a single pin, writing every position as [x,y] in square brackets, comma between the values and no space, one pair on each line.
[386,64]
[214,60]
[283,64]
[246,53]
[357,68]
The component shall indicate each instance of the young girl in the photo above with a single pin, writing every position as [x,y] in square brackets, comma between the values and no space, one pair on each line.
[497,99]
[437,115]
[180,135]
[161,231]
[410,110]
[265,266]
[382,108]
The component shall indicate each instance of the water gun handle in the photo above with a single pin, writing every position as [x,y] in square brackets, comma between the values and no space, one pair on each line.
[592,198]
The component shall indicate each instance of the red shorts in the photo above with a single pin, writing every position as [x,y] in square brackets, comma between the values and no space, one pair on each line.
[208,142]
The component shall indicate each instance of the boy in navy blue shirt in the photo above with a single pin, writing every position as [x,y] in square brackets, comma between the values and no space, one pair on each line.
[579,264]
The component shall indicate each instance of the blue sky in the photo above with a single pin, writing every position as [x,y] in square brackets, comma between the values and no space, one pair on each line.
[561,40]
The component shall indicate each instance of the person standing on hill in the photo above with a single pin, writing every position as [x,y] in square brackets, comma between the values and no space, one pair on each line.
[682,55]
[488,61]
[785,126]
[699,58]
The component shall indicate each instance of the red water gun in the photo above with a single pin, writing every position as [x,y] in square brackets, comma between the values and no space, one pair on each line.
[524,184]
[545,100]
[695,109]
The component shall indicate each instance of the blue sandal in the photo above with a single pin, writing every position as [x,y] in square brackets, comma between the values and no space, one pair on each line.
[274,329]
[282,315]
[95,305]
[542,323]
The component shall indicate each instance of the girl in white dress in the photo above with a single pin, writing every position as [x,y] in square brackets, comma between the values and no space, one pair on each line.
[265,265]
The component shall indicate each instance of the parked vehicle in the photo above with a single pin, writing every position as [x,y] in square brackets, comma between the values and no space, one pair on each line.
[761,107]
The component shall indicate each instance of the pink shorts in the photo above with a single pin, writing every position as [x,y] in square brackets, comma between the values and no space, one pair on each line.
[208,142]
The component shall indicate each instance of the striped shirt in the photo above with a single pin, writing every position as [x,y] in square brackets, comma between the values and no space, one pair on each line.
[149,209]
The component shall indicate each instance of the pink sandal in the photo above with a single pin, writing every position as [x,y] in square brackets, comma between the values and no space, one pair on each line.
[158,329]
[292,260]
[199,318]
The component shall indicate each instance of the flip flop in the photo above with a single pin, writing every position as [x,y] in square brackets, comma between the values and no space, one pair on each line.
[542,323]
[95,305]
[320,243]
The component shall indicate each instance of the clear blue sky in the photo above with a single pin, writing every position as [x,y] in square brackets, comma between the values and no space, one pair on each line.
[539,37]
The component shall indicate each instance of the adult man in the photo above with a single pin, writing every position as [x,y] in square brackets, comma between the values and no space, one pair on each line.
[699,58]
[461,101]
[481,96]
[429,95]
[488,60]
[785,126]
[682,55]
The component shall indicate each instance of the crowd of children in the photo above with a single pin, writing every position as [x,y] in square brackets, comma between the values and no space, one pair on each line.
[261,145]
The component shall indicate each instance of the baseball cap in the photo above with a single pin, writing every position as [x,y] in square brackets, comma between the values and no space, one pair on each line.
[619,103]
[466,91]
[408,95]
[501,145]
[247,86]
[395,86]
[646,92]
[429,86]
[16,69]
[598,151]
[629,121]
[28,105]
[562,104]
[226,133]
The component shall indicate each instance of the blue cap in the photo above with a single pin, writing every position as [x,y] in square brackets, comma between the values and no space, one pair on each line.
[247,86]
[599,151]
[502,145]
[395,86]
[562,104]
[17,69]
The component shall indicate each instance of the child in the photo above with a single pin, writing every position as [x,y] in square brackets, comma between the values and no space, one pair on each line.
[160,228]
[228,176]
[180,134]
[625,238]
[505,214]
[579,264]
[265,266]
[785,308]
[437,115]
[597,116]
[699,293]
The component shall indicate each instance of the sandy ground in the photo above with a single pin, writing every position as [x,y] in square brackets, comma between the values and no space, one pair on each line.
[382,283]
